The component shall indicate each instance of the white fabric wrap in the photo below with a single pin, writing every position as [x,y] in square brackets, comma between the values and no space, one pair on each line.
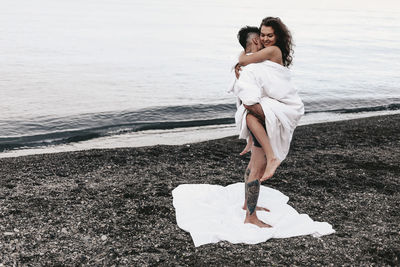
[212,213]
[269,84]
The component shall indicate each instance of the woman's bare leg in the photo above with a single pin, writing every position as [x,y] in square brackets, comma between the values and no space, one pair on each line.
[260,133]
[248,146]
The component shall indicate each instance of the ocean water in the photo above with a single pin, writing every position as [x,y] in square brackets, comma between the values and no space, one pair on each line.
[74,71]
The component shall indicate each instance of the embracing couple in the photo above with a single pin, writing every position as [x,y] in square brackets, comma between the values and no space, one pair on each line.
[269,107]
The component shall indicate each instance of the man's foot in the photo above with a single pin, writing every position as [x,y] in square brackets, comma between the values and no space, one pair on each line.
[246,149]
[254,220]
[257,208]
[272,165]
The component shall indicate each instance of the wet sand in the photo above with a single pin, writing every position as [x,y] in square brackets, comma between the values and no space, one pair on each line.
[114,206]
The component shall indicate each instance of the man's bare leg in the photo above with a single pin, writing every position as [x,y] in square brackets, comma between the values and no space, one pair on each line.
[253,187]
[246,178]
[260,133]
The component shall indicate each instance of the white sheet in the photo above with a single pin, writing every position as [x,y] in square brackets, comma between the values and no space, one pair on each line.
[213,213]
[269,84]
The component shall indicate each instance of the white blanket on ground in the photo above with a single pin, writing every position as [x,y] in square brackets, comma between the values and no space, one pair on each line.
[213,213]
[269,84]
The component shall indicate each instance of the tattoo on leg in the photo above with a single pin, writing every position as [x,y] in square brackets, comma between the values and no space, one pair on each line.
[252,190]
[246,175]
[246,178]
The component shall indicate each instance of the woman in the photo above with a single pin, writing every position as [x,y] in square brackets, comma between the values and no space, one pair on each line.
[277,42]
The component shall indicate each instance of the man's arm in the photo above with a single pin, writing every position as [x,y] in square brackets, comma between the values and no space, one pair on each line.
[257,111]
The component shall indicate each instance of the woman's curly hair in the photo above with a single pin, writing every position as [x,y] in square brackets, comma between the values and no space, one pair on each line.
[283,38]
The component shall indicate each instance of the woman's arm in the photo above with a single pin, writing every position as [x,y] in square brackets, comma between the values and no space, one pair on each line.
[259,56]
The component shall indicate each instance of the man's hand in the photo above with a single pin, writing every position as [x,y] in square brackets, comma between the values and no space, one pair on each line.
[257,111]
[238,68]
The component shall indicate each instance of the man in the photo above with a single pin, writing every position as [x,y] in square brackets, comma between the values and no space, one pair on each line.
[249,39]
[263,89]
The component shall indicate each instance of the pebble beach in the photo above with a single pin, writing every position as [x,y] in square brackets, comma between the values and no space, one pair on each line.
[114,207]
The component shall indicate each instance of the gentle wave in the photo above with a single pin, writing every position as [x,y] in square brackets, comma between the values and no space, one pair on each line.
[360,109]
[135,120]
[58,130]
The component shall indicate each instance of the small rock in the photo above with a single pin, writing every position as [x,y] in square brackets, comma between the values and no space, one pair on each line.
[8,233]
[16,230]
[104,237]
[64,230]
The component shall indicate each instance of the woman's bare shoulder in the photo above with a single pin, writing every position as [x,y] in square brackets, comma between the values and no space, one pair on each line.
[271,50]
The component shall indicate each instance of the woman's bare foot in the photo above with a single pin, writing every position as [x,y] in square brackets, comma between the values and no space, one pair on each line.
[272,165]
[254,220]
[246,149]
[258,208]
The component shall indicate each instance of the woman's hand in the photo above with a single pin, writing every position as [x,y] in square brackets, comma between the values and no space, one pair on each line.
[238,68]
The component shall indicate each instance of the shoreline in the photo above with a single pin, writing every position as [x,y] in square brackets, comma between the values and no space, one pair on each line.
[114,206]
[178,136]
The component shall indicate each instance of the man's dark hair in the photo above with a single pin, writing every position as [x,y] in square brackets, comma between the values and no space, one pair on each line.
[244,33]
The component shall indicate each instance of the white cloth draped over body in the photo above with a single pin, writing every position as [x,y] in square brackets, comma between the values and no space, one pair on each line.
[269,84]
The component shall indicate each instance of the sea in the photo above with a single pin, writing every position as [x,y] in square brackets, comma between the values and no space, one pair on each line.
[120,73]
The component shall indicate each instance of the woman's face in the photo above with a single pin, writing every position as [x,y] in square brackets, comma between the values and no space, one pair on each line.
[267,36]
